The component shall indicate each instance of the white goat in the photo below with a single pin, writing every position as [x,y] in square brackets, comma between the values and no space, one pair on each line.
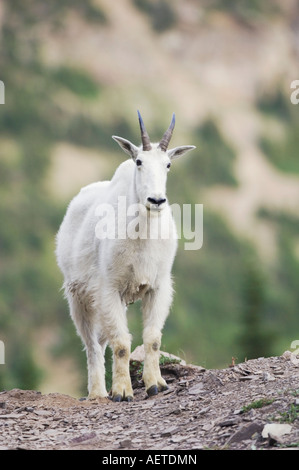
[103,275]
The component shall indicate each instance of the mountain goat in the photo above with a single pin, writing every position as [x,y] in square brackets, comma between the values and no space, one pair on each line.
[102,275]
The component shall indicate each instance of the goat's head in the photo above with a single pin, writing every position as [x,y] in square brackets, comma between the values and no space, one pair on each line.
[153,162]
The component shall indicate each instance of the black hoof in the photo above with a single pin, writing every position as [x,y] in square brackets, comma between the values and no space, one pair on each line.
[162,388]
[117,398]
[153,390]
[82,399]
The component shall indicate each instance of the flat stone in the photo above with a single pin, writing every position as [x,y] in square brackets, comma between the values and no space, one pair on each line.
[12,416]
[229,422]
[178,439]
[83,438]
[125,443]
[169,431]
[196,389]
[276,430]
[246,432]
[44,413]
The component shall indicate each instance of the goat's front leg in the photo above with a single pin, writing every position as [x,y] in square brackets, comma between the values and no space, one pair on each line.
[156,306]
[121,381]
[120,342]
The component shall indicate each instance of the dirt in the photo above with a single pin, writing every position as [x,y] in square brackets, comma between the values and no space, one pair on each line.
[202,409]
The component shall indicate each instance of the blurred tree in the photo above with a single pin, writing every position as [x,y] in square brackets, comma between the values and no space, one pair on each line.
[248,12]
[211,143]
[255,339]
[31,123]
[280,148]
[160,12]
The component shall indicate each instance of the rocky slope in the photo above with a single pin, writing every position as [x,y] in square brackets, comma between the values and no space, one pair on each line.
[253,405]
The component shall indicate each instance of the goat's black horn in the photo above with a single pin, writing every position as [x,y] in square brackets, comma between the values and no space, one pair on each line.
[146,144]
[163,145]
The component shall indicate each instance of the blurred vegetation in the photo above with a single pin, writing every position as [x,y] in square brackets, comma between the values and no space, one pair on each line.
[163,16]
[222,308]
[246,11]
[76,81]
[282,150]
[283,297]
[54,12]
[256,337]
[160,12]
[30,123]
[204,169]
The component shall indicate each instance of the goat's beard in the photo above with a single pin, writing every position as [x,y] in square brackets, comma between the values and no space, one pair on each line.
[154,210]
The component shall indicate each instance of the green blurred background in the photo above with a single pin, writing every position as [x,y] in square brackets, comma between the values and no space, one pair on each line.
[75,73]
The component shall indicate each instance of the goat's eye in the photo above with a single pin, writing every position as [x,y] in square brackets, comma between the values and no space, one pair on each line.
[168,165]
[138,162]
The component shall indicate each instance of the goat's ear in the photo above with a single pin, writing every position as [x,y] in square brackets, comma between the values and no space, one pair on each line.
[127,146]
[179,151]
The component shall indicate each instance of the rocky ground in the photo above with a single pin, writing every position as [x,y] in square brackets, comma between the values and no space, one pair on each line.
[253,405]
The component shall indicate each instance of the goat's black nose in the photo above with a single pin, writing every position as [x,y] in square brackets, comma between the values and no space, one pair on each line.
[152,200]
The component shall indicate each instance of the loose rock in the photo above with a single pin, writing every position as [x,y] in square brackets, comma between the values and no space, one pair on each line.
[206,409]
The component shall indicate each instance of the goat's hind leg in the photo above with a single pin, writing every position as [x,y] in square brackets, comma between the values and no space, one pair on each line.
[84,320]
